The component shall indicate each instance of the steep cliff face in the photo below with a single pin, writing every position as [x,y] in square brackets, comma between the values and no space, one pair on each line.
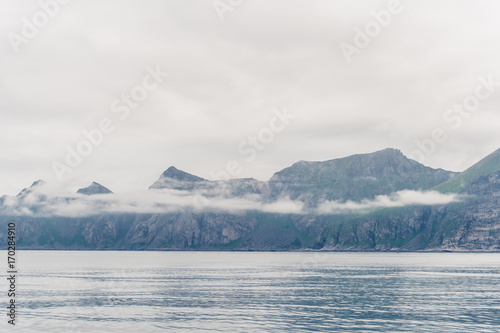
[189,231]
[180,231]
[470,224]
[475,223]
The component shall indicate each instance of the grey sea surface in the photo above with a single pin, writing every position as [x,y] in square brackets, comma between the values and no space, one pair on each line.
[78,291]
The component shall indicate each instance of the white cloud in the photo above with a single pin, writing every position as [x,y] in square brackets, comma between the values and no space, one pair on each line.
[398,199]
[49,200]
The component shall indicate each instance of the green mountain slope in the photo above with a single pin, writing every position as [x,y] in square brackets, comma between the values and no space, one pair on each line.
[486,166]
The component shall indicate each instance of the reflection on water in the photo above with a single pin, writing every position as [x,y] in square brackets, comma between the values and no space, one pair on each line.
[66,291]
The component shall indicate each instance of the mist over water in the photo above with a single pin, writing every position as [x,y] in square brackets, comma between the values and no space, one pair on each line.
[76,291]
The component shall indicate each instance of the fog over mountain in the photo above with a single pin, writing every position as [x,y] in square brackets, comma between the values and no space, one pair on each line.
[360,182]
[376,201]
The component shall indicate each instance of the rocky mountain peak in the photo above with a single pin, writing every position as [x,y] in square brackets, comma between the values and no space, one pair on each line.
[174,178]
[177,174]
[28,190]
[94,188]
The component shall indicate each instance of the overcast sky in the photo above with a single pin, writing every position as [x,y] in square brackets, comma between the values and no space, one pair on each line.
[230,70]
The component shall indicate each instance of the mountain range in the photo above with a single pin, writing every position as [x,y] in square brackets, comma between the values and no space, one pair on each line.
[381,201]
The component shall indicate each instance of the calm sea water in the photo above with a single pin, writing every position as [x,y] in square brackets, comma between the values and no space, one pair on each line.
[63,291]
